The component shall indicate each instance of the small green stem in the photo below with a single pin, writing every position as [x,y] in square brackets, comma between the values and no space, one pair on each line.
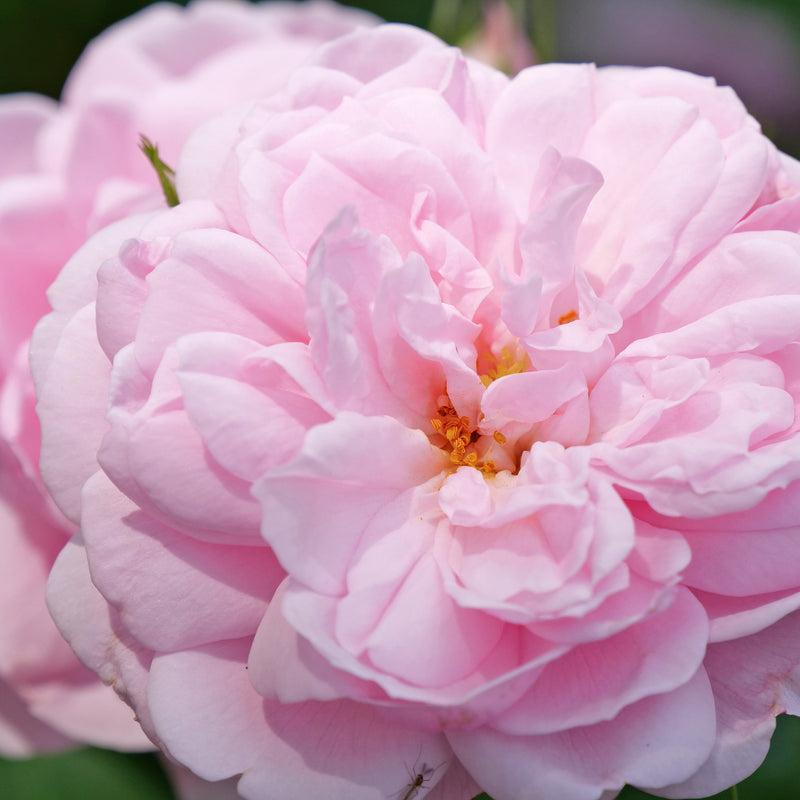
[166,175]
[734,792]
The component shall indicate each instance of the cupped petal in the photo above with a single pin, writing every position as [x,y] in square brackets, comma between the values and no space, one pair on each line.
[424,343]
[220,371]
[283,665]
[356,176]
[121,284]
[345,271]
[154,454]
[509,668]
[390,55]
[381,336]
[563,190]
[217,280]
[531,548]
[678,189]
[656,655]
[316,541]
[445,642]
[455,139]
[720,449]
[550,405]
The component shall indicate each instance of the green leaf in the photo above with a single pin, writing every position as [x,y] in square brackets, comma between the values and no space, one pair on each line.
[85,774]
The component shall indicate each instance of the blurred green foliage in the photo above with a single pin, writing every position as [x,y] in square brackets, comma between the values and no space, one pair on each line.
[85,774]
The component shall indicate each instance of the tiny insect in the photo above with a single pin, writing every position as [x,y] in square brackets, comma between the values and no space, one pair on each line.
[418,780]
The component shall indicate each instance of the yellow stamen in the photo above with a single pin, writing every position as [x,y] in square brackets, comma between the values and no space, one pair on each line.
[461,437]
[505,364]
[570,316]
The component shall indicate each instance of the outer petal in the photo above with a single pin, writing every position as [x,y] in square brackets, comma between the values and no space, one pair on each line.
[155,455]
[94,633]
[172,591]
[646,744]
[339,749]
[72,402]
[754,678]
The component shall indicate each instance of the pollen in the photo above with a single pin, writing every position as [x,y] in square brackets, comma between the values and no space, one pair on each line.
[460,437]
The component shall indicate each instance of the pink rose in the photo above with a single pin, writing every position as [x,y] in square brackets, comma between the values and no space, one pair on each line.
[443,436]
[66,170]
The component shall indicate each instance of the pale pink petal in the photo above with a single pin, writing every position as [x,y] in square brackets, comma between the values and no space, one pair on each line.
[219,371]
[95,634]
[657,655]
[648,744]
[319,539]
[72,434]
[170,621]
[540,108]
[215,280]
[293,751]
[733,617]
[754,678]
[149,434]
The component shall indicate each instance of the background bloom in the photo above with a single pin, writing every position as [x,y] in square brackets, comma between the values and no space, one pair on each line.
[447,424]
[68,169]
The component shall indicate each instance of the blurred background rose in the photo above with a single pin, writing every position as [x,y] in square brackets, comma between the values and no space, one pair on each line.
[753,45]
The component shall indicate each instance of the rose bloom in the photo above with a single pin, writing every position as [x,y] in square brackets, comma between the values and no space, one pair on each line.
[442,438]
[66,170]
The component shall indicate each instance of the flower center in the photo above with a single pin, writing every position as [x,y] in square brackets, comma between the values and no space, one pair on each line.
[462,440]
